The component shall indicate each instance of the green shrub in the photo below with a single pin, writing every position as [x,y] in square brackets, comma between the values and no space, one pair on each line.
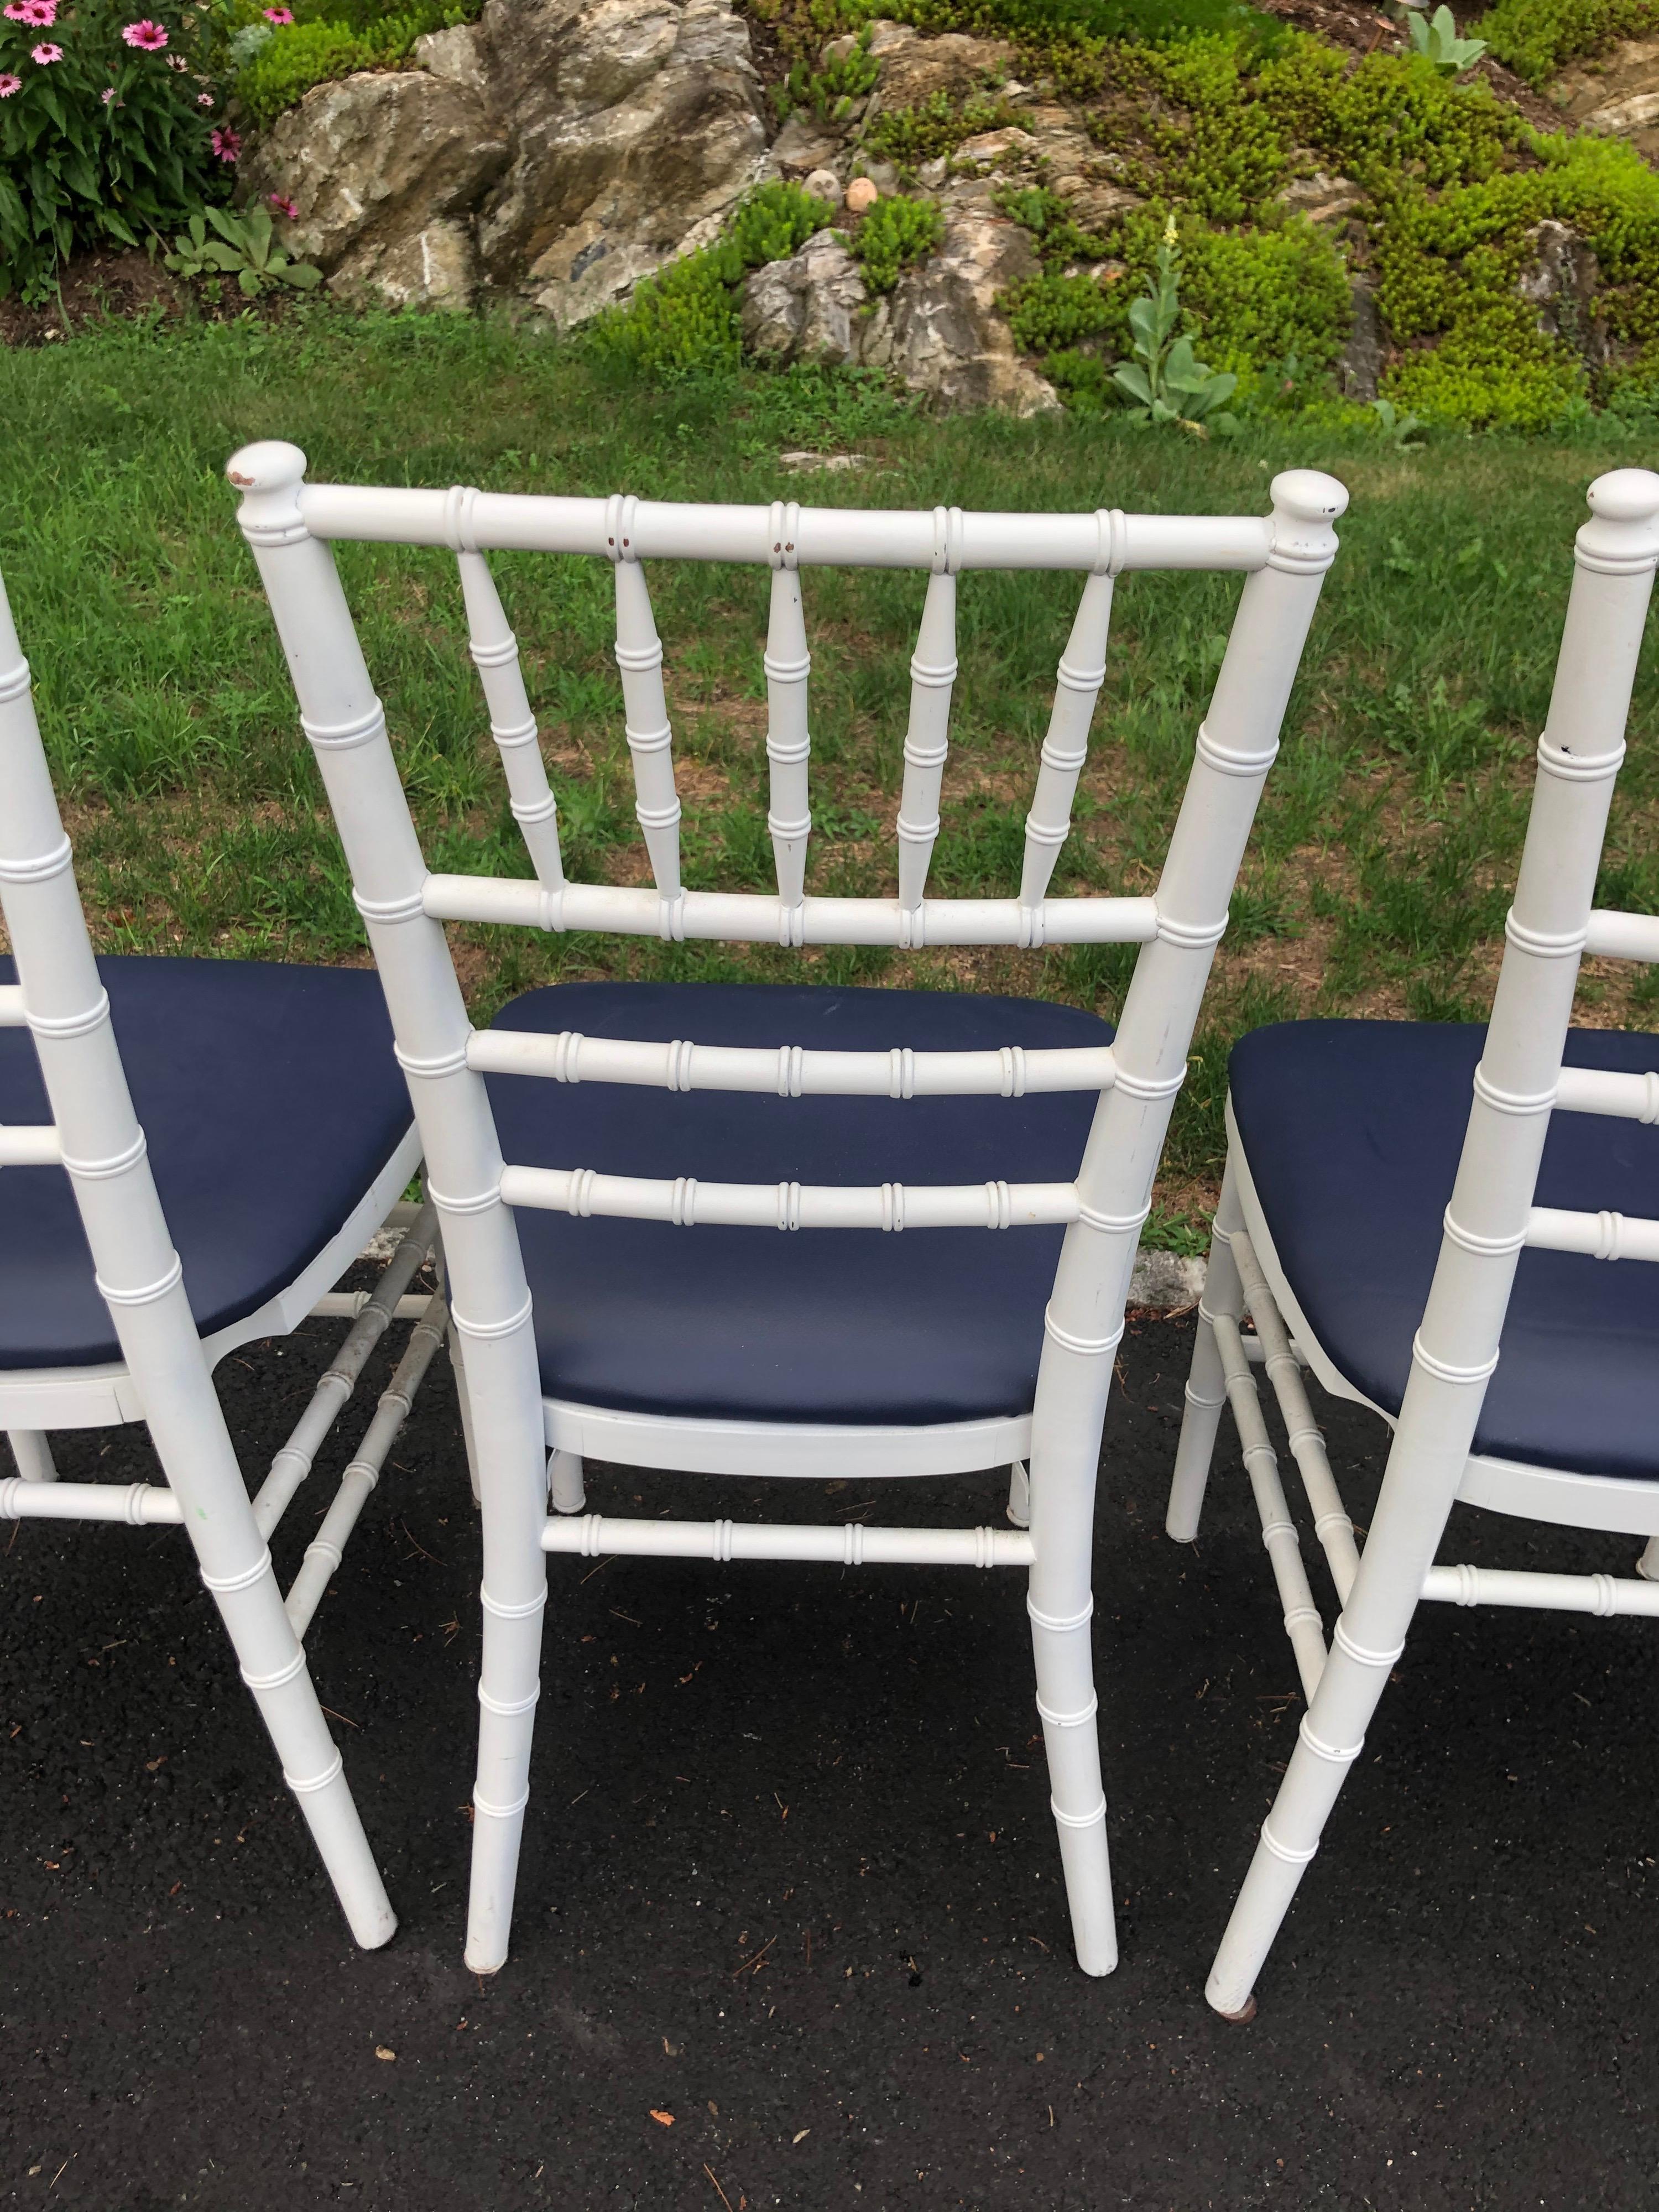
[681,319]
[684,318]
[1083,380]
[1454,185]
[909,135]
[1254,296]
[332,38]
[1049,312]
[832,90]
[895,233]
[1044,214]
[1536,38]
[770,225]
[1040,22]
[104,139]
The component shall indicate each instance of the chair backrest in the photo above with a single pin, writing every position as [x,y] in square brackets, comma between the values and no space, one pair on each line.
[1284,555]
[95,1136]
[1551,927]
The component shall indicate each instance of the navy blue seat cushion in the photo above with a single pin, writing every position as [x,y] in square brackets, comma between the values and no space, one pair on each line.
[1352,1130]
[270,1100]
[855,1325]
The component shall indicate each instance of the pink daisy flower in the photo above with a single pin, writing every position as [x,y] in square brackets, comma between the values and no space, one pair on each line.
[108,95]
[205,99]
[9,84]
[225,144]
[284,206]
[150,37]
[46,54]
[176,62]
[279,15]
[39,15]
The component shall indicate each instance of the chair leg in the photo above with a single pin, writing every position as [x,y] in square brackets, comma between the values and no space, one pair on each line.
[188,1430]
[274,1667]
[508,1427]
[1061,1604]
[462,1399]
[32,1453]
[1418,1489]
[1207,1385]
[566,1487]
[457,1365]
[1019,1495]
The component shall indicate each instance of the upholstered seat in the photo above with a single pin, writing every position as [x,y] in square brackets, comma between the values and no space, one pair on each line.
[1352,1132]
[269,1100]
[834,1326]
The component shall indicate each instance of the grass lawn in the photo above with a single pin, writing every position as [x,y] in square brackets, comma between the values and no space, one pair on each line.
[1386,845]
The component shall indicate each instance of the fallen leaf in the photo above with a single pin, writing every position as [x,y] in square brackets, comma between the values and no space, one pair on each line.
[662,2120]
[382,2050]
[802,2137]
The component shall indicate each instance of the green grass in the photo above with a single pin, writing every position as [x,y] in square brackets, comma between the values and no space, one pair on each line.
[1377,878]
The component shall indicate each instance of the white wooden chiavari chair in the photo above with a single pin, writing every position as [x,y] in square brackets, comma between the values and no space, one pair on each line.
[190,1152]
[1354,1157]
[723,1351]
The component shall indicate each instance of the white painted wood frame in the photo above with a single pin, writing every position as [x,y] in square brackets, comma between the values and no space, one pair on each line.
[164,1376]
[289,525]
[1492,1219]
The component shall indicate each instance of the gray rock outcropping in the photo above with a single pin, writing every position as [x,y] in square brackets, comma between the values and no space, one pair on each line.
[385,169]
[938,330]
[556,151]
[635,125]
[1617,94]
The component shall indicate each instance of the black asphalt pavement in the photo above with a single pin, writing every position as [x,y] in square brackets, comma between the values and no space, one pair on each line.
[790,1930]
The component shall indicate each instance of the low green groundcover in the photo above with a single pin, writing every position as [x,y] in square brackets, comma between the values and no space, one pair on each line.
[1211,121]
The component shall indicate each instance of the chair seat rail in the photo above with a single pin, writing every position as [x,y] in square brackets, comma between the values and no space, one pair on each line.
[847,1544]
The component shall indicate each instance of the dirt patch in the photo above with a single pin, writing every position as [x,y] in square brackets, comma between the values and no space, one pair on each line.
[125,287]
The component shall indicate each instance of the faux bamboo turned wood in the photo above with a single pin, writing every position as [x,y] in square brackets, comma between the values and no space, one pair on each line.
[1283,557]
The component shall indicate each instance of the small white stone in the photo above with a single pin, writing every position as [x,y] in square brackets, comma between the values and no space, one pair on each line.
[831,465]
[824,184]
[861,194]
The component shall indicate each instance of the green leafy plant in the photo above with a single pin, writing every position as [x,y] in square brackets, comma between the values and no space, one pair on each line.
[1399,427]
[895,233]
[244,43]
[1168,383]
[834,89]
[245,247]
[1435,37]
[108,129]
